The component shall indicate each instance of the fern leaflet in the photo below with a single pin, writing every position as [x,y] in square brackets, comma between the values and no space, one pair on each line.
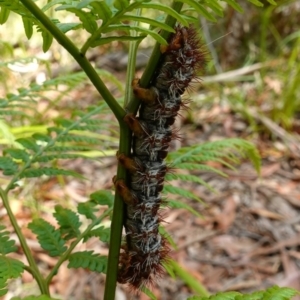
[101,232]
[6,245]
[68,221]
[103,197]
[9,268]
[48,237]
[86,259]
[87,209]
[272,293]
[180,192]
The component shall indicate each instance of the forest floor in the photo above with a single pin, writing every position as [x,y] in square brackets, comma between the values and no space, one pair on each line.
[247,240]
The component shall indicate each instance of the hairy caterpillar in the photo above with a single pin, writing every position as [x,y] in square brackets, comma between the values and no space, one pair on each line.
[145,250]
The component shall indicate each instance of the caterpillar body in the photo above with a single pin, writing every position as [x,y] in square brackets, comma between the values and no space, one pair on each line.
[146,249]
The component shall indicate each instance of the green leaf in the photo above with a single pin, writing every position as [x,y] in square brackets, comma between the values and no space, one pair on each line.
[188,278]
[188,177]
[272,293]
[88,21]
[147,292]
[47,158]
[152,22]
[28,26]
[180,192]
[10,267]
[257,3]
[101,232]
[125,27]
[167,9]
[234,5]
[47,40]
[87,209]
[8,166]
[41,137]
[88,260]
[31,173]
[4,14]
[103,197]
[65,27]
[18,154]
[272,2]
[180,204]
[68,221]
[101,9]
[108,40]
[199,167]
[48,237]
[215,7]
[167,236]
[200,9]
[78,139]
[29,143]
[121,4]
[52,3]
[3,285]
[6,245]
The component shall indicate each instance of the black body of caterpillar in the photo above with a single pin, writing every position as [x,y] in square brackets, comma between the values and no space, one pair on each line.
[146,249]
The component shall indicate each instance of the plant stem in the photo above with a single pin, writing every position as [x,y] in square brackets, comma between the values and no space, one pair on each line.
[117,221]
[78,56]
[66,255]
[154,59]
[133,47]
[33,267]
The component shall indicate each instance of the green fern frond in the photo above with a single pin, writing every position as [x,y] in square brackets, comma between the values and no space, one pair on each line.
[188,178]
[3,286]
[8,166]
[180,192]
[18,154]
[234,5]
[16,7]
[88,260]
[78,139]
[103,233]
[199,167]
[68,222]
[63,149]
[48,237]
[103,197]
[188,278]
[228,149]
[31,173]
[4,14]
[272,293]
[24,102]
[87,209]
[6,245]
[9,268]
[200,9]
[48,158]
[29,143]
[143,31]
[180,204]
